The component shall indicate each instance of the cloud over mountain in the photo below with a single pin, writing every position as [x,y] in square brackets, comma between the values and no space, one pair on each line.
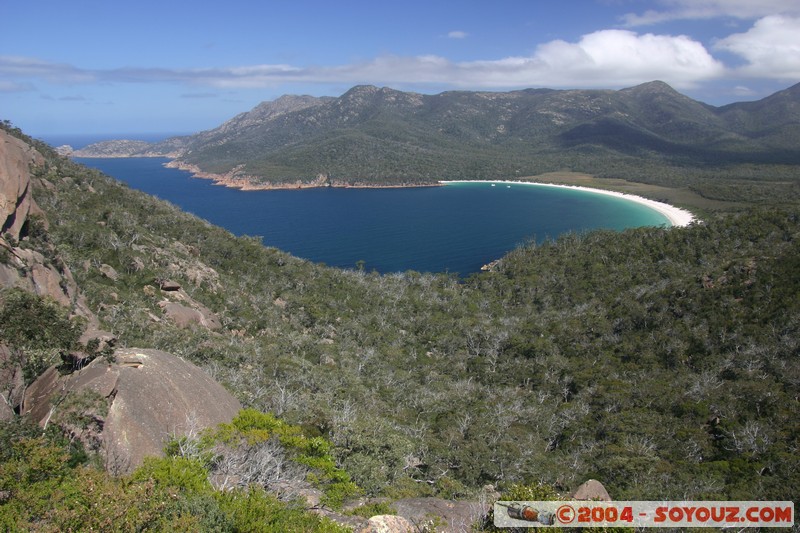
[607,58]
[771,48]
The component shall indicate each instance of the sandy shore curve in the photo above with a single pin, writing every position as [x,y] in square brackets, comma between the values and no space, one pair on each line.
[677,217]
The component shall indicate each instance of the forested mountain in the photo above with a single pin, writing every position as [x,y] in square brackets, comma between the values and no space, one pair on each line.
[372,135]
[664,362]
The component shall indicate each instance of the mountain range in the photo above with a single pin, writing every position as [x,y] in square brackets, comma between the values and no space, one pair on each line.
[381,136]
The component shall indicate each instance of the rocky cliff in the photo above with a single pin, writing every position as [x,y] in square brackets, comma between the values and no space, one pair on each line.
[33,266]
[27,261]
[16,200]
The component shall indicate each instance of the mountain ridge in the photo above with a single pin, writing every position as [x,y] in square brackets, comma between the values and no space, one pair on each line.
[382,136]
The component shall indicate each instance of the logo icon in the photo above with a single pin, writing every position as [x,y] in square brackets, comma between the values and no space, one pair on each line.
[565,514]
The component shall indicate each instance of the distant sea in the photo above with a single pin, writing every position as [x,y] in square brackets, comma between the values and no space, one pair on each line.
[456,228]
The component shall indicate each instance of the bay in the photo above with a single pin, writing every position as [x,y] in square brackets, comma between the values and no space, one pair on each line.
[455,228]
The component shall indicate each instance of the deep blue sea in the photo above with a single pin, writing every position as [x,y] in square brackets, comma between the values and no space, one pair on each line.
[456,228]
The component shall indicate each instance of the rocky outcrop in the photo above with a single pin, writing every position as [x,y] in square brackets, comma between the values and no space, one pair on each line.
[16,200]
[12,383]
[123,404]
[169,285]
[32,271]
[492,265]
[591,490]
[131,406]
[185,317]
[37,270]
[109,272]
[33,266]
[184,310]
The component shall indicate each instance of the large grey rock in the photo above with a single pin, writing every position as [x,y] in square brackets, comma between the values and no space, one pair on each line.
[185,317]
[169,285]
[150,397]
[184,310]
[591,490]
[109,272]
[30,271]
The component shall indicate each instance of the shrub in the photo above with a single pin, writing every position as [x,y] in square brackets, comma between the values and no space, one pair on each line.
[258,448]
[253,509]
[372,509]
[180,473]
[40,327]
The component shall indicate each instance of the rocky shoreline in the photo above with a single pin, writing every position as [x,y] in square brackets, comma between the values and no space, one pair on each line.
[235,179]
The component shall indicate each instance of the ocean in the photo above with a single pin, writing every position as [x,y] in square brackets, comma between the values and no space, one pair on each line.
[456,228]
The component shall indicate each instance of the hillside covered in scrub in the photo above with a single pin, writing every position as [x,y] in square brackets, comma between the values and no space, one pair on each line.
[663,362]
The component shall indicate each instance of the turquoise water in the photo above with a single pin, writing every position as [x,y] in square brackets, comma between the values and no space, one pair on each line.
[456,228]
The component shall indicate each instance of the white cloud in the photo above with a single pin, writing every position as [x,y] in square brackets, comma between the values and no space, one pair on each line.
[771,48]
[707,9]
[624,57]
[608,58]
[742,91]
[457,34]
[26,67]
[14,87]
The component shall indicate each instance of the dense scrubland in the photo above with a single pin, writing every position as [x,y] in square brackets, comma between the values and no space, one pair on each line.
[663,362]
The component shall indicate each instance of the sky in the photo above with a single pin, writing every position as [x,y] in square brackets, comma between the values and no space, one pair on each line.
[135,67]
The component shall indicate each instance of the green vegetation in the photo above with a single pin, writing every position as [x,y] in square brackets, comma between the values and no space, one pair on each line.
[373,509]
[39,329]
[260,443]
[42,490]
[29,321]
[662,362]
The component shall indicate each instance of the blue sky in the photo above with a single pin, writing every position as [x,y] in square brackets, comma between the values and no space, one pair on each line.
[97,67]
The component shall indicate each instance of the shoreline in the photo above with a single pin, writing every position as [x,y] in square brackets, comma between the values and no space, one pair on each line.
[676,216]
[234,180]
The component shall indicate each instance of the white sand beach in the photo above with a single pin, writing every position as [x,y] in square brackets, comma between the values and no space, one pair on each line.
[676,216]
